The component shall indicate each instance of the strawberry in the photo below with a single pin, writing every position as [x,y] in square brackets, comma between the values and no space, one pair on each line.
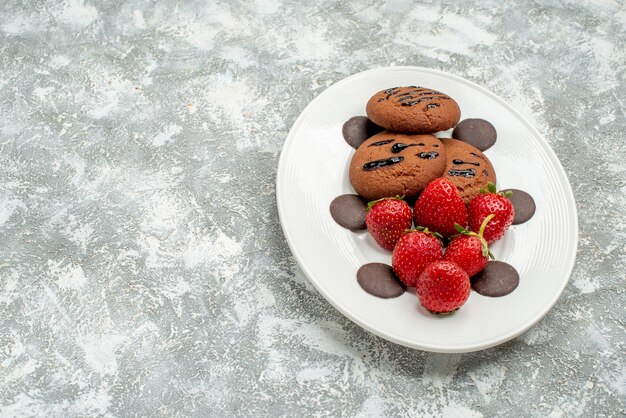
[439,207]
[387,219]
[489,202]
[414,252]
[443,287]
[469,249]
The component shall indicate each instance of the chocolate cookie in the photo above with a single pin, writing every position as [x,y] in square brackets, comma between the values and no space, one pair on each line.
[413,109]
[468,168]
[390,164]
[357,129]
[476,132]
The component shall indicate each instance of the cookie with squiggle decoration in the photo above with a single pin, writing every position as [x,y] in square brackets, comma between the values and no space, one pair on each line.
[413,109]
[390,164]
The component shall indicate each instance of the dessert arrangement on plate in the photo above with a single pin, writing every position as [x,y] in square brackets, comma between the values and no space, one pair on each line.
[431,202]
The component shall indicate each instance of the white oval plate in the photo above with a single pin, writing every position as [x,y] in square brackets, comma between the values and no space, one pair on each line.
[313,170]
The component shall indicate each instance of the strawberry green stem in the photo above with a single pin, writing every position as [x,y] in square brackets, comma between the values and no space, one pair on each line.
[373,202]
[479,235]
[426,231]
[491,189]
[481,231]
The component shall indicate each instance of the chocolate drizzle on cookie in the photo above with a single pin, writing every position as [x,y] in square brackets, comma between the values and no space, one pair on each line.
[459,162]
[389,92]
[380,143]
[405,98]
[410,92]
[470,172]
[409,95]
[428,155]
[423,99]
[373,165]
[413,97]
[396,148]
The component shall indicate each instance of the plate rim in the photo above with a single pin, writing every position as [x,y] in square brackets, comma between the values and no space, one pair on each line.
[568,192]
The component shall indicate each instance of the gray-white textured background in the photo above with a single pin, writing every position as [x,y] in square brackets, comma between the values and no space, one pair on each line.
[143,270]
